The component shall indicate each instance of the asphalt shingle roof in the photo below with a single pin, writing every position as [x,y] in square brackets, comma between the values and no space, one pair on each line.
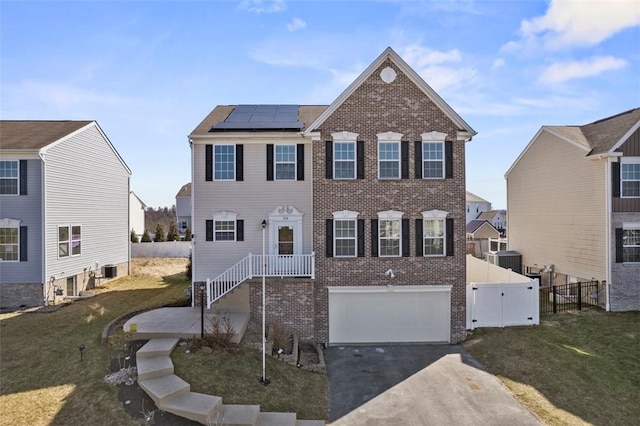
[29,134]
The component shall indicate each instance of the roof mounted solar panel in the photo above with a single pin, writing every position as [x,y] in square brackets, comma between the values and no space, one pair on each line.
[261,117]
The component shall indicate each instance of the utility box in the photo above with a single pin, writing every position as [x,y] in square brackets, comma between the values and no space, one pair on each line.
[506,259]
[110,271]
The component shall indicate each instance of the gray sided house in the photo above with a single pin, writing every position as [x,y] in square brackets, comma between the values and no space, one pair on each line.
[64,210]
[590,177]
[361,204]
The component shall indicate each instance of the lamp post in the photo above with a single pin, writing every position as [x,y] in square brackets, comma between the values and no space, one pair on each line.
[202,286]
[264,379]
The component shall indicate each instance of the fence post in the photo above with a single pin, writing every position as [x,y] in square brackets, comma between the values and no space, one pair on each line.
[579,296]
[555,304]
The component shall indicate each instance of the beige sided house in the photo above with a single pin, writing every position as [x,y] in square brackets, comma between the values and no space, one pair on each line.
[361,205]
[589,177]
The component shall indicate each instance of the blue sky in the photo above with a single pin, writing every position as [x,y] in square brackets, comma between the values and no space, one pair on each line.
[149,72]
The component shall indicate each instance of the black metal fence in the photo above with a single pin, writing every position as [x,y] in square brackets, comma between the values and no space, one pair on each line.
[569,297]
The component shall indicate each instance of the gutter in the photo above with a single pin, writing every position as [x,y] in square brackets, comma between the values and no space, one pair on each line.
[43,231]
[192,227]
[607,192]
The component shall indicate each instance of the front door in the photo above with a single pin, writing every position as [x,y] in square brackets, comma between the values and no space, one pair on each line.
[285,240]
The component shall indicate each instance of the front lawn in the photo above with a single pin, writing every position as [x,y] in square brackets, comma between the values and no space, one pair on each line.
[574,368]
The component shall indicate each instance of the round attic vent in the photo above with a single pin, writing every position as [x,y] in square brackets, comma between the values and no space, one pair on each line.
[388,75]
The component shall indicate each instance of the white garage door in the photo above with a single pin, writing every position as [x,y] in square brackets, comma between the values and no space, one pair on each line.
[399,314]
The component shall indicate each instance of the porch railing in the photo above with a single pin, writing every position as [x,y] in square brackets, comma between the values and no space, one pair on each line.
[294,265]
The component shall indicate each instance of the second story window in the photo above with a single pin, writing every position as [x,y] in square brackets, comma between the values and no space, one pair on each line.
[389,160]
[8,178]
[285,162]
[224,162]
[344,160]
[432,160]
[630,179]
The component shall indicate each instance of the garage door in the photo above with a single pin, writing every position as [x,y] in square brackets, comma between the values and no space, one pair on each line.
[399,314]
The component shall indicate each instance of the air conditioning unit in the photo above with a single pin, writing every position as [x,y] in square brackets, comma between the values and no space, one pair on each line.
[110,271]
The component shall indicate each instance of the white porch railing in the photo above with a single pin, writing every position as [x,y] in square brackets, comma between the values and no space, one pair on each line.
[294,265]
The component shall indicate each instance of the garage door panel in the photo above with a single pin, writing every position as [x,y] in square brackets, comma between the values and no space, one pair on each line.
[400,316]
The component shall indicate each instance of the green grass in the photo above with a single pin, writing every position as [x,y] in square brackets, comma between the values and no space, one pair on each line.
[574,368]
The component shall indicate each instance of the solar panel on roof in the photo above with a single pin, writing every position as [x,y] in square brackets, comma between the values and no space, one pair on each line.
[254,117]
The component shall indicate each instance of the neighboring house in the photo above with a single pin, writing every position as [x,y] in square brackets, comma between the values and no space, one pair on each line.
[362,201]
[64,210]
[589,178]
[183,209]
[137,208]
[478,234]
[475,206]
[498,219]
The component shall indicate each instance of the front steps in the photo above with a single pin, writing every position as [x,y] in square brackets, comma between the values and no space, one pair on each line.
[172,394]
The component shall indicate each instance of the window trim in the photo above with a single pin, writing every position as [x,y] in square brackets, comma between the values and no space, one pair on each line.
[276,162]
[233,169]
[425,160]
[69,241]
[346,216]
[623,161]
[225,216]
[354,161]
[346,138]
[390,215]
[12,224]
[634,226]
[431,215]
[17,178]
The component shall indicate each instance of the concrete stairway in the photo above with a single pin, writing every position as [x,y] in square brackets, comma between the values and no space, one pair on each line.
[172,394]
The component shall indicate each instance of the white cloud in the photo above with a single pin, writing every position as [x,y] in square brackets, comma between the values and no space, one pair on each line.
[418,56]
[262,6]
[498,63]
[577,23]
[296,24]
[563,71]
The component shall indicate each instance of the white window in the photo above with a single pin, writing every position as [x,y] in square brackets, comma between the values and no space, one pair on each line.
[345,233]
[69,240]
[224,230]
[390,233]
[285,162]
[434,233]
[631,245]
[432,160]
[630,177]
[9,244]
[344,160]
[389,160]
[9,177]
[224,162]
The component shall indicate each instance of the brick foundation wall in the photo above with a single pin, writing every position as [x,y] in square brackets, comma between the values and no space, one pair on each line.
[373,108]
[21,295]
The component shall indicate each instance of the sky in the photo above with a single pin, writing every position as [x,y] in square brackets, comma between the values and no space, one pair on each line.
[149,71]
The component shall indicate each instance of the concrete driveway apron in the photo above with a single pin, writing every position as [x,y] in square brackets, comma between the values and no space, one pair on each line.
[416,385]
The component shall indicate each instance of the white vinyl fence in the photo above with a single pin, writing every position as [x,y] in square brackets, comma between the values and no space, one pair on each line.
[498,297]
[164,249]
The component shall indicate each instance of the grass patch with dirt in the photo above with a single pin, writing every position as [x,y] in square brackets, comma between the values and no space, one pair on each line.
[575,368]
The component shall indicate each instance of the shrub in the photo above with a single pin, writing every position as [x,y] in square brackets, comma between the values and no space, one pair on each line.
[173,234]
[134,236]
[160,237]
[187,234]
[146,238]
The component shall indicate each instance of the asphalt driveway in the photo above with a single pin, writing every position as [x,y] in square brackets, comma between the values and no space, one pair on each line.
[416,385]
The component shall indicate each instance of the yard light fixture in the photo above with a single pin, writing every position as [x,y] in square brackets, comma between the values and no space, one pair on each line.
[81,348]
[263,378]
[202,287]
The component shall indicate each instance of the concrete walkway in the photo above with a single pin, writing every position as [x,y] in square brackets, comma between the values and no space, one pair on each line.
[408,385]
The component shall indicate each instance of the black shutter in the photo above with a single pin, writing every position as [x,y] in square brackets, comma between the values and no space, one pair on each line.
[209,233]
[405,238]
[270,161]
[328,234]
[360,237]
[23,243]
[374,237]
[239,162]
[619,244]
[615,180]
[418,159]
[23,177]
[448,159]
[404,160]
[208,163]
[449,226]
[300,162]
[240,230]
[360,159]
[328,154]
[419,237]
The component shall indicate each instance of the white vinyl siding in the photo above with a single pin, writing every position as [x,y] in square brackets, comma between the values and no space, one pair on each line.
[9,178]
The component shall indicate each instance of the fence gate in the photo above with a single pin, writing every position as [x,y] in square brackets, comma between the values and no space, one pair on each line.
[569,297]
[502,304]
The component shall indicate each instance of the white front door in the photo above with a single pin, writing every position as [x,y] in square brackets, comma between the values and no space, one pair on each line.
[286,243]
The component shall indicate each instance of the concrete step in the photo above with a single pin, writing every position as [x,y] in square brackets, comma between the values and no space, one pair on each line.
[194,406]
[150,368]
[276,419]
[239,415]
[310,423]
[160,346]
[161,389]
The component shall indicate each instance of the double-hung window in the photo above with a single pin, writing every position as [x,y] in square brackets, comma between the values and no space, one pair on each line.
[224,226]
[432,160]
[69,240]
[224,162]
[389,160]
[344,160]
[9,177]
[433,234]
[9,244]
[285,162]
[344,237]
[631,245]
[630,178]
[389,237]
[224,230]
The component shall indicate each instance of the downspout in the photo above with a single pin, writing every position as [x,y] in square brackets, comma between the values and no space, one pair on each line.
[608,195]
[128,224]
[192,227]
[43,231]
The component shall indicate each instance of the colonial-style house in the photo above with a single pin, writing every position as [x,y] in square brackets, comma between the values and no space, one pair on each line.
[64,210]
[573,197]
[358,207]
[183,209]
[475,206]
[497,218]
